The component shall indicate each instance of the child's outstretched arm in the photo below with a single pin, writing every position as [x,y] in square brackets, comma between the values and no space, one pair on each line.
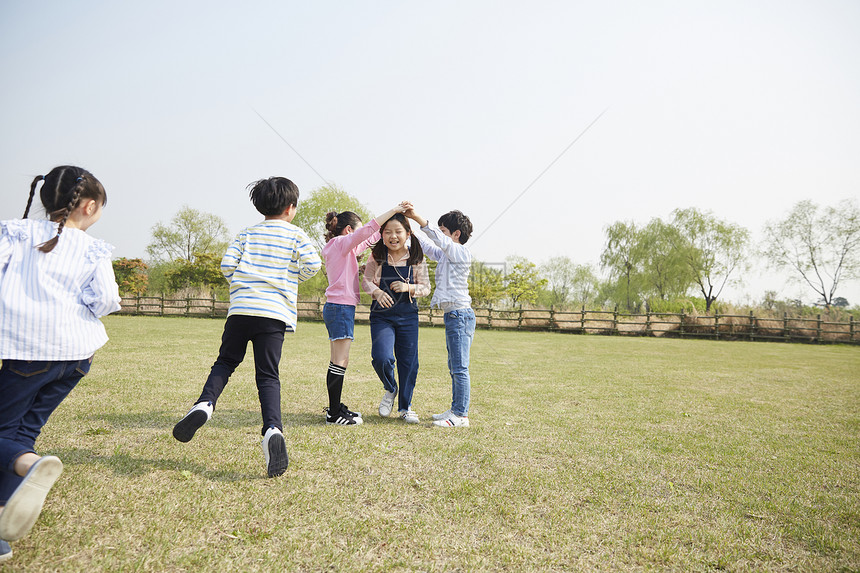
[361,239]
[309,259]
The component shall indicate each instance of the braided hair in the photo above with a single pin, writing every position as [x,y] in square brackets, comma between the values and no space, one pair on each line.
[61,193]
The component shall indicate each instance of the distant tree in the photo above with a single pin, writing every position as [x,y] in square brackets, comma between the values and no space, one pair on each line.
[714,250]
[559,272]
[203,271]
[311,211]
[664,275]
[568,282]
[523,281]
[622,257]
[585,285]
[486,284]
[130,276]
[189,232]
[822,248]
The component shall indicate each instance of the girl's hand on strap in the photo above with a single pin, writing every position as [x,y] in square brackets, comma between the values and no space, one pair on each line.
[383,298]
[400,286]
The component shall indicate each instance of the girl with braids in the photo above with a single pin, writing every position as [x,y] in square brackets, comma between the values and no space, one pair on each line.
[395,275]
[55,283]
[346,240]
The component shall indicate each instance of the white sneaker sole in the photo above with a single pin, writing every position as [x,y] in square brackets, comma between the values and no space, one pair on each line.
[26,502]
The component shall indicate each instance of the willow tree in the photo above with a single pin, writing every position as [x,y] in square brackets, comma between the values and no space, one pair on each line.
[821,246]
[715,251]
[622,257]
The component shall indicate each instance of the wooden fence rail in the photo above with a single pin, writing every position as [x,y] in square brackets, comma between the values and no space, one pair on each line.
[612,322]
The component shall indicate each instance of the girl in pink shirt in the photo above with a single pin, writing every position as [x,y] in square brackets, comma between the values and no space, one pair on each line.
[346,240]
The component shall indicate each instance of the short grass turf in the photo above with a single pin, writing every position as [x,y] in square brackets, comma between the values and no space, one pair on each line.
[585,453]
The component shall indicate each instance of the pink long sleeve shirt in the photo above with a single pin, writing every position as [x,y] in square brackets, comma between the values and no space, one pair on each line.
[341,264]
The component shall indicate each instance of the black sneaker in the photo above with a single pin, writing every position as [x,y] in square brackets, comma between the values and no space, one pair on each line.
[192,421]
[343,417]
[353,414]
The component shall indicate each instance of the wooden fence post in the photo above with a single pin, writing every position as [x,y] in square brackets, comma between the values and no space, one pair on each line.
[851,328]
[647,323]
[551,316]
[818,330]
[752,326]
[683,318]
[716,325]
[582,320]
[520,319]
[786,334]
[614,320]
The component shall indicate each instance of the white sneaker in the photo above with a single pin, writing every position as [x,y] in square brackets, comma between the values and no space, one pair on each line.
[453,421]
[443,415]
[409,416]
[275,451]
[25,504]
[386,404]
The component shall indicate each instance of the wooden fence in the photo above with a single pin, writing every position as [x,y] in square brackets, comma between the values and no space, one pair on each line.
[611,322]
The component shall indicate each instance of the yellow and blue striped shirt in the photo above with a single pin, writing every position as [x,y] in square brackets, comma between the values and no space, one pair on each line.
[265,264]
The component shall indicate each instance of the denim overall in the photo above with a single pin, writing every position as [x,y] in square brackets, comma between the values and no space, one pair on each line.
[394,336]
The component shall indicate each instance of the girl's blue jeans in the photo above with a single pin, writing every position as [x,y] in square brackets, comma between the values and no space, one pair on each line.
[394,342]
[31,391]
[459,333]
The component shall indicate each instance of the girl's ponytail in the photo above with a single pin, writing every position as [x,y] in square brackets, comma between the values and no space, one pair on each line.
[32,193]
[335,223]
[330,225]
[49,245]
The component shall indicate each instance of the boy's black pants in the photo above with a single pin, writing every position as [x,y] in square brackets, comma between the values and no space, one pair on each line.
[267,337]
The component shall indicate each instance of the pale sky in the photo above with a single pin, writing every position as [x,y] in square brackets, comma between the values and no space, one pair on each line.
[742,107]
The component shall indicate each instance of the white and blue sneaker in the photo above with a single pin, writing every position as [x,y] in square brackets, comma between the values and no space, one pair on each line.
[5,551]
[409,416]
[275,451]
[452,421]
[198,415]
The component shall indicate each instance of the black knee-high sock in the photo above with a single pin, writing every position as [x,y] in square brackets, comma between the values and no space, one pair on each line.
[334,381]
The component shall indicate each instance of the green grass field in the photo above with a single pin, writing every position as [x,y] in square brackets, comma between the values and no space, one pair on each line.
[585,453]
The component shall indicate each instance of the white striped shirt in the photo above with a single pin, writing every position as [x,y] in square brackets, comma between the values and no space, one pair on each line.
[50,303]
[265,264]
[452,272]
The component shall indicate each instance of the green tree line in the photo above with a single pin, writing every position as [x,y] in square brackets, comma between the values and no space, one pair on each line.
[689,258]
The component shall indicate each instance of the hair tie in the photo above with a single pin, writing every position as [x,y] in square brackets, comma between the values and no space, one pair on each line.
[79,179]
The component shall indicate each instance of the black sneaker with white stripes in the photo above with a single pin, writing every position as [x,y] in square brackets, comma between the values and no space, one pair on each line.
[343,417]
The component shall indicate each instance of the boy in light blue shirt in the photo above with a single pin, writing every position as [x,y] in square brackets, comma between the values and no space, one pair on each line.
[446,245]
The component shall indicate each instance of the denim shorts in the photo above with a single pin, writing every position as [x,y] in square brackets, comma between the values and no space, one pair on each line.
[339,320]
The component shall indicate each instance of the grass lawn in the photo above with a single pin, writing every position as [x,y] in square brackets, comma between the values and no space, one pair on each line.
[585,453]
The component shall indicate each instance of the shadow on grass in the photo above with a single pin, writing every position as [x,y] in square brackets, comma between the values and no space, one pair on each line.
[124,464]
[226,419]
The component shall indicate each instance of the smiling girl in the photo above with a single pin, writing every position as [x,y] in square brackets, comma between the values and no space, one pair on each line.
[395,276]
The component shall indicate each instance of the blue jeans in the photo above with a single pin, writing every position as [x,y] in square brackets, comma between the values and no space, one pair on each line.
[459,332]
[394,337]
[31,392]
